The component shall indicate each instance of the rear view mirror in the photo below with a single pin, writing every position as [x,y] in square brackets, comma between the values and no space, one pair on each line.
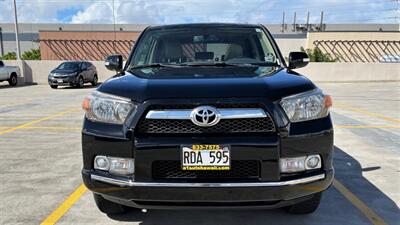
[298,60]
[114,63]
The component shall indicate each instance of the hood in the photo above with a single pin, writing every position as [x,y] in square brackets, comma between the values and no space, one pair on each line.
[272,83]
[59,71]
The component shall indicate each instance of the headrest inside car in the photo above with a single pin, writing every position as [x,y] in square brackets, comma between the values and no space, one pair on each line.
[204,55]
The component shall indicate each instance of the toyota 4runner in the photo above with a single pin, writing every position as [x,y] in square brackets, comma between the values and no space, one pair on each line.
[207,115]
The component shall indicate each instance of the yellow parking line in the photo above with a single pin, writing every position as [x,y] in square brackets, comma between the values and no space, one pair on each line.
[35,121]
[363,111]
[65,206]
[367,126]
[47,128]
[53,128]
[360,205]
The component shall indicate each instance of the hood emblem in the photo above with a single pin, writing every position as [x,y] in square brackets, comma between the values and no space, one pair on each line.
[205,116]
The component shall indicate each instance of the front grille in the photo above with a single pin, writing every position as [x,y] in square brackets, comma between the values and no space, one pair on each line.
[240,169]
[216,105]
[156,126]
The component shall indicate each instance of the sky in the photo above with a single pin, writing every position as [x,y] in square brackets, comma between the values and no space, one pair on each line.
[191,11]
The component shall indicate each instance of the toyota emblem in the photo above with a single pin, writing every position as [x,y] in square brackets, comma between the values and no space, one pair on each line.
[205,116]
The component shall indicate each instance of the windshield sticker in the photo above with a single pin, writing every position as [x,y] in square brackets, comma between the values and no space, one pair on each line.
[269,57]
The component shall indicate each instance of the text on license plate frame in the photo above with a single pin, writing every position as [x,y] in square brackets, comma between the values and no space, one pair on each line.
[211,156]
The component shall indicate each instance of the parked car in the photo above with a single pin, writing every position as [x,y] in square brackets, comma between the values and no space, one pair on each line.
[207,115]
[73,73]
[9,73]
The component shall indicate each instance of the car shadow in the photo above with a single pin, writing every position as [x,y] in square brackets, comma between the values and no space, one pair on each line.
[334,207]
[6,85]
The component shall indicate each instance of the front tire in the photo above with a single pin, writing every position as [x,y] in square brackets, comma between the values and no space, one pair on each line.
[95,80]
[80,83]
[13,80]
[306,207]
[109,207]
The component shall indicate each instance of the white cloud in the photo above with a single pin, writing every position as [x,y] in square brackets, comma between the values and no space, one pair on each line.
[183,11]
[94,13]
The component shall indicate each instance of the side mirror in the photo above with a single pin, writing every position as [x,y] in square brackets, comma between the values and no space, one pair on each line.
[114,63]
[298,60]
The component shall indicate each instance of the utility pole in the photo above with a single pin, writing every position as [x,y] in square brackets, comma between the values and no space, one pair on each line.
[294,22]
[115,34]
[16,31]
[283,22]
[322,21]
[308,21]
[1,42]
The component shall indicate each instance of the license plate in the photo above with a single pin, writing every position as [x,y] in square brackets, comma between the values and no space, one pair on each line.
[60,81]
[206,157]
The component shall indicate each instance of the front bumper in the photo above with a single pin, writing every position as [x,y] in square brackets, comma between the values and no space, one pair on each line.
[63,81]
[205,195]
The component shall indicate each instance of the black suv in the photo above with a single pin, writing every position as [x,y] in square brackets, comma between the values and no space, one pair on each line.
[73,73]
[207,115]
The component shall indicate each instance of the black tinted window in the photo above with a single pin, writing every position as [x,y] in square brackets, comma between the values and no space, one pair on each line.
[68,66]
[87,64]
[197,44]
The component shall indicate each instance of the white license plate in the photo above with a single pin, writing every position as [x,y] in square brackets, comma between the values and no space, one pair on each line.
[60,81]
[206,157]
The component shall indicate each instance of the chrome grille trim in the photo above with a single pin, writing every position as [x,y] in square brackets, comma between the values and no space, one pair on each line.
[226,113]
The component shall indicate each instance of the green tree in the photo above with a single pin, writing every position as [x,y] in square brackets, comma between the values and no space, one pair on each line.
[33,54]
[9,56]
[316,55]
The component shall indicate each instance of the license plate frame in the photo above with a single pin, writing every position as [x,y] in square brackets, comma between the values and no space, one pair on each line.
[213,157]
[60,80]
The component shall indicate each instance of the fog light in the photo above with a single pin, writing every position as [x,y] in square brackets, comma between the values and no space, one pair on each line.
[123,166]
[313,162]
[290,165]
[101,163]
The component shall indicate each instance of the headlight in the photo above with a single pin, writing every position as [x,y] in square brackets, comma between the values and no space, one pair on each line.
[107,108]
[306,106]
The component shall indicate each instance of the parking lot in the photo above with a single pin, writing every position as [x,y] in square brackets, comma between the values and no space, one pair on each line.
[40,162]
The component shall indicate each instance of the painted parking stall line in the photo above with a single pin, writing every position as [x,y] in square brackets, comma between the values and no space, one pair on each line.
[360,205]
[36,121]
[65,206]
[365,112]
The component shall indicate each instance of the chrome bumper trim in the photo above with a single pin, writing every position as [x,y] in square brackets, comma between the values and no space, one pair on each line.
[131,183]
[184,114]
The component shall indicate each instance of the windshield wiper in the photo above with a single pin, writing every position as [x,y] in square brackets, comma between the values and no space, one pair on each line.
[265,64]
[153,65]
[217,64]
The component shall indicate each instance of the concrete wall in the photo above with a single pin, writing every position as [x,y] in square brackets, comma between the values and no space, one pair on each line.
[346,72]
[37,71]
[290,45]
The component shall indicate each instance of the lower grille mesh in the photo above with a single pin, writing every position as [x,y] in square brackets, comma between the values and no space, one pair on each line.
[240,169]
[256,125]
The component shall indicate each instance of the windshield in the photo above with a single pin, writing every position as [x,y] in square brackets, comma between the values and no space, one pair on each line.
[68,66]
[234,45]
